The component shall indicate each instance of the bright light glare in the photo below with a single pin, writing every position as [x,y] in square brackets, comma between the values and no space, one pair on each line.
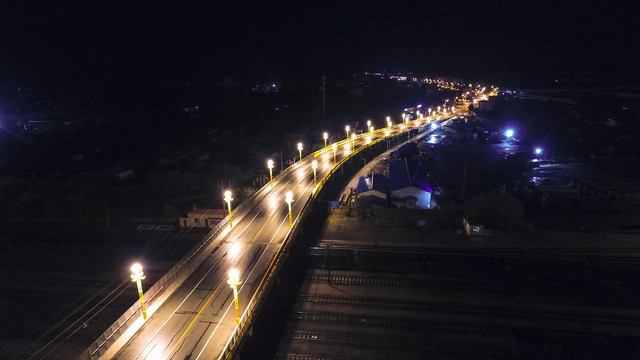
[434,125]
[538,151]
[234,250]
[509,133]
[234,275]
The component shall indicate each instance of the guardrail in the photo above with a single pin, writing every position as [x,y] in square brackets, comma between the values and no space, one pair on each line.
[108,338]
[267,281]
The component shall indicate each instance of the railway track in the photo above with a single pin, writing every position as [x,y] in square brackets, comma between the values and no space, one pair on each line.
[629,255]
[503,310]
[412,324]
[401,344]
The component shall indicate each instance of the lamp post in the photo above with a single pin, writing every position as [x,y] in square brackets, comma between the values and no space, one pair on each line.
[347,129]
[314,166]
[353,140]
[368,123]
[429,109]
[234,281]
[325,136]
[270,166]
[137,275]
[300,151]
[289,199]
[227,198]
[335,147]
[389,122]
[371,130]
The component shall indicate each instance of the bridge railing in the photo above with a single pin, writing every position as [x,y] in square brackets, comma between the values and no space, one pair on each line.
[113,333]
[267,281]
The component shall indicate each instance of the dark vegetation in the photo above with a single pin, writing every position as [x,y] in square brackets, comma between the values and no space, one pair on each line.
[184,144]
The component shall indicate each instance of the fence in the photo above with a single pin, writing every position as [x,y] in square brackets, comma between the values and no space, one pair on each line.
[108,338]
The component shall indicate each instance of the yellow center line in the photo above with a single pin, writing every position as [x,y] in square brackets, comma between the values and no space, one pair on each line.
[205,304]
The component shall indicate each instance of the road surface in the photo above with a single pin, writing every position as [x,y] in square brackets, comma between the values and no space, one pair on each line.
[197,320]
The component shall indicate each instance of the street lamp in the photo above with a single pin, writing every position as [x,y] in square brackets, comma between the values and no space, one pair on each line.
[347,129]
[227,198]
[429,111]
[368,123]
[234,281]
[325,136]
[353,140]
[289,199]
[137,275]
[270,166]
[509,133]
[314,166]
[388,122]
[335,147]
[404,116]
[371,130]
[300,150]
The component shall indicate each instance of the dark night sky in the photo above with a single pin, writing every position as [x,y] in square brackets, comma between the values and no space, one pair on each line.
[89,43]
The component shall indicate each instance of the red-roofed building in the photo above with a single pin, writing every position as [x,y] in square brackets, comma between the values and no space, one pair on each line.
[203,218]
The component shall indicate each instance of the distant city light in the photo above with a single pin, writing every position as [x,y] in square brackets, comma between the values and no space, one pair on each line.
[538,151]
[509,133]
[434,126]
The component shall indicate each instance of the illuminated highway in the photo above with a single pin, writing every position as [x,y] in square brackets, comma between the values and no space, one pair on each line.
[198,319]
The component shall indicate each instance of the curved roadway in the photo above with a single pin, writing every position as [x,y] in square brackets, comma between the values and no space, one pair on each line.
[197,320]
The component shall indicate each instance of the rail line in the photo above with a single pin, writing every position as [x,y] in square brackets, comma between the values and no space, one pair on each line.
[504,310]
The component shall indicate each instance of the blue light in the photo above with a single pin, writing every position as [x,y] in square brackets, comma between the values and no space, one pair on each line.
[419,106]
[509,133]
[538,151]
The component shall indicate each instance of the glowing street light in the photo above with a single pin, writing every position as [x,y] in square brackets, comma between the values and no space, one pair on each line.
[353,140]
[404,116]
[538,151]
[227,198]
[289,199]
[429,109]
[509,133]
[137,275]
[368,123]
[234,281]
[335,147]
[300,150]
[371,130]
[325,136]
[388,122]
[270,166]
[314,166]
[347,129]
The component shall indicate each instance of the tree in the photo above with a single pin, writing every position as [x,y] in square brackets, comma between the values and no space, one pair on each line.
[362,206]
